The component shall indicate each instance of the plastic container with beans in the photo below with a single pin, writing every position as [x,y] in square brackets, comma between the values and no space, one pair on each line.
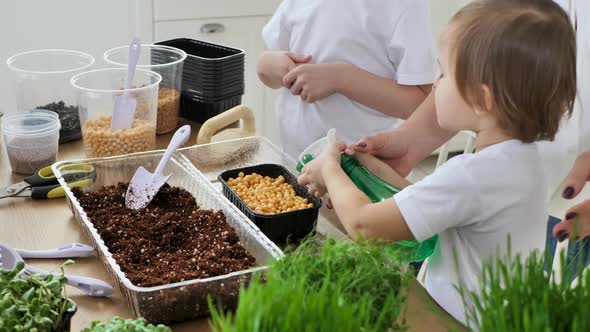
[100,140]
[267,195]
[97,92]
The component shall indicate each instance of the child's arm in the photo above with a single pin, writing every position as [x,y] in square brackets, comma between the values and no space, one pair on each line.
[372,221]
[360,217]
[316,81]
[274,65]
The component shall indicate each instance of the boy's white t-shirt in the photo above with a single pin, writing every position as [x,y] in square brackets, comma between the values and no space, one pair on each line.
[389,38]
[474,202]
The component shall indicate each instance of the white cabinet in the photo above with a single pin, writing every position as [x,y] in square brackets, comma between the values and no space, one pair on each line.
[234,23]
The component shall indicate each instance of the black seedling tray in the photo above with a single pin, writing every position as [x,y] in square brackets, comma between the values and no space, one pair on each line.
[194,108]
[293,225]
[210,71]
[203,51]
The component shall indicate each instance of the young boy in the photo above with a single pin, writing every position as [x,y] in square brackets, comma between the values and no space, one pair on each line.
[354,65]
[508,73]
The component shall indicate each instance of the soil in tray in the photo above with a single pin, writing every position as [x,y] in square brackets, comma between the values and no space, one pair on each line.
[171,240]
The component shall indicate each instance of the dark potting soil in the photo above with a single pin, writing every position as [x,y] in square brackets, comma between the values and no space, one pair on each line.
[171,240]
[69,119]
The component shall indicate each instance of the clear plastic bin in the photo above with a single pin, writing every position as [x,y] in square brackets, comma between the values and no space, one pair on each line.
[31,140]
[166,61]
[42,80]
[97,90]
[183,300]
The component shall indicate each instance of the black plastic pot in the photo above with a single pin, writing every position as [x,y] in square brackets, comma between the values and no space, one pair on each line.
[66,322]
[280,227]
[194,108]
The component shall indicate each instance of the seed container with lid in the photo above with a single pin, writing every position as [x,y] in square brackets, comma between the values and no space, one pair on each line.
[42,80]
[31,140]
[166,61]
[97,91]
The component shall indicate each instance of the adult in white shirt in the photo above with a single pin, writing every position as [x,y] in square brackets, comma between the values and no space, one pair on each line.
[580,174]
[354,65]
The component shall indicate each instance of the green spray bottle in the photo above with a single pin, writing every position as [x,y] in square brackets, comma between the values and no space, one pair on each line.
[375,188]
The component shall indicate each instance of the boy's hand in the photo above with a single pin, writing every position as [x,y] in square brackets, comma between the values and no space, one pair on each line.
[274,65]
[313,81]
[312,174]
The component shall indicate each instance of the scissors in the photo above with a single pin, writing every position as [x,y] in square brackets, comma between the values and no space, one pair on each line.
[43,184]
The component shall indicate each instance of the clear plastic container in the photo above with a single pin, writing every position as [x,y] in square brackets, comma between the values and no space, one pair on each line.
[166,61]
[97,90]
[31,139]
[42,80]
[182,300]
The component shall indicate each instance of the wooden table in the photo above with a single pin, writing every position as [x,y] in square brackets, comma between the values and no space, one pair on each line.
[44,224]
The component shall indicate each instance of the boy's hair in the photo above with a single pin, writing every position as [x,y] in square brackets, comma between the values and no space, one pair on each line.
[524,51]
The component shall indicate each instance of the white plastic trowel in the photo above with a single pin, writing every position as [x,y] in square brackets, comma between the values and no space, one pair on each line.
[125,104]
[145,185]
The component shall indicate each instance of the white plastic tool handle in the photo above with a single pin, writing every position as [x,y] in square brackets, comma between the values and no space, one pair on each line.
[90,286]
[72,250]
[180,137]
[133,58]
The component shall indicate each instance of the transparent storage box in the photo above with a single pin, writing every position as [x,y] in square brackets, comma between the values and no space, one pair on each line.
[182,300]
[215,158]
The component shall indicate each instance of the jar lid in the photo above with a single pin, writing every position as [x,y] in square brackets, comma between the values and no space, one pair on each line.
[34,123]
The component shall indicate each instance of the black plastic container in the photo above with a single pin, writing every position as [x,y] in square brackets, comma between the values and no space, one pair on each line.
[195,109]
[279,228]
[213,78]
[66,322]
[208,63]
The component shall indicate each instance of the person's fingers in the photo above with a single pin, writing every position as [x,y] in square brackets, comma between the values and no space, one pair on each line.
[290,78]
[577,177]
[329,204]
[371,143]
[303,179]
[297,87]
[311,189]
[576,223]
[350,149]
[298,57]
[304,96]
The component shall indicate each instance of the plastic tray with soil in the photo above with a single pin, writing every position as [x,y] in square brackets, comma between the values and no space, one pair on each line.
[188,244]
[169,241]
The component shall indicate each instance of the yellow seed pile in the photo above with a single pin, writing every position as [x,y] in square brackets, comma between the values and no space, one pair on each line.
[168,107]
[100,140]
[266,195]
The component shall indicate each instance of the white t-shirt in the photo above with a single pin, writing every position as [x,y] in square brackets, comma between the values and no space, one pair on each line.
[389,38]
[573,137]
[474,202]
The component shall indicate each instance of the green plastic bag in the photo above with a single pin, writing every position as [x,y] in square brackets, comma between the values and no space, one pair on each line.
[378,190]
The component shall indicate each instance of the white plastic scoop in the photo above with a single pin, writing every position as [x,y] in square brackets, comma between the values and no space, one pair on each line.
[72,250]
[93,287]
[145,185]
[124,108]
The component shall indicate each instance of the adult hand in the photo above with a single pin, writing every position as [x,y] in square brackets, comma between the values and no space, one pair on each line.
[274,65]
[391,147]
[577,218]
[313,81]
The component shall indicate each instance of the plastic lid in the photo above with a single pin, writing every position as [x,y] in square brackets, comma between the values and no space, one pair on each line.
[31,124]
